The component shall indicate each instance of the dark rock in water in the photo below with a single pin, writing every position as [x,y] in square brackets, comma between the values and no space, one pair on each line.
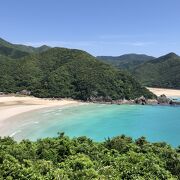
[174,103]
[141,100]
[162,99]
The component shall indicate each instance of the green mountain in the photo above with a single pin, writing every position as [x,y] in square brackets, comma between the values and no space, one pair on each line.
[161,72]
[17,50]
[126,61]
[6,49]
[61,72]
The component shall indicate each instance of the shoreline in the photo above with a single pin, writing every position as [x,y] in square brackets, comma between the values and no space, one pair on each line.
[11,106]
[167,92]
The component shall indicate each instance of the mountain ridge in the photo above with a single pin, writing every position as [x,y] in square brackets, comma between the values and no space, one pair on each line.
[126,61]
[24,48]
[63,72]
[161,72]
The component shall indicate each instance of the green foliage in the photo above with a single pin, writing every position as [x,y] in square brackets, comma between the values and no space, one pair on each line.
[161,72]
[126,61]
[61,72]
[11,52]
[18,49]
[81,158]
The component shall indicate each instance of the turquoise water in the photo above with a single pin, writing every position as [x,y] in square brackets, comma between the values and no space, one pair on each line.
[176,99]
[157,123]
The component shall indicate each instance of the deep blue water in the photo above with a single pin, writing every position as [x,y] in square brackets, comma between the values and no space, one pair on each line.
[157,123]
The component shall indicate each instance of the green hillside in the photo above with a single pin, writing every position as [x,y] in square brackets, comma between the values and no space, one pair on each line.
[82,159]
[161,72]
[6,47]
[61,72]
[126,61]
[8,50]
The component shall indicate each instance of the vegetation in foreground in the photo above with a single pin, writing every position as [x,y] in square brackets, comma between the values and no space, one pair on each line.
[81,158]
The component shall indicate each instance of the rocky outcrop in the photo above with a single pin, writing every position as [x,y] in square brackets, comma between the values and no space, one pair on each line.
[24,92]
[175,103]
[162,99]
[141,100]
[100,99]
[122,101]
[152,102]
[2,93]
[108,100]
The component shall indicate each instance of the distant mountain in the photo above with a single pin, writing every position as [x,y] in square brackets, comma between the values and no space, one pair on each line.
[127,61]
[8,50]
[61,72]
[161,72]
[17,50]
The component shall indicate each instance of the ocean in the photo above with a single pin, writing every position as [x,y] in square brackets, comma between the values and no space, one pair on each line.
[98,121]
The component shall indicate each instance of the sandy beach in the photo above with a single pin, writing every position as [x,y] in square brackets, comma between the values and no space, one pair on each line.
[167,92]
[14,105]
[11,106]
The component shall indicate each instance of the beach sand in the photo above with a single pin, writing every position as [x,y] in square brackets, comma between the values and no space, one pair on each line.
[11,106]
[167,92]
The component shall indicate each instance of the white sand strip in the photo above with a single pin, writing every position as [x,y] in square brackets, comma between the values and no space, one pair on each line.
[12,106]
[167,92]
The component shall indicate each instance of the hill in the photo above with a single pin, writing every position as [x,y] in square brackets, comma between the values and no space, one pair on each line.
[61,72]
[126,61]
[18,50]
[81,158]
[161,72]
[8,50]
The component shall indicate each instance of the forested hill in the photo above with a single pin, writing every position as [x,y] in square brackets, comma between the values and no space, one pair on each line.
[126,61]
[61,72]
[161,72]
[81,158]
[149,71]
[18,50]
[8,50]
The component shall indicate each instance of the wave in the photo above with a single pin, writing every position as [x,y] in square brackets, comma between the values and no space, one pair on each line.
[28,123]
[14,133]
[36,122]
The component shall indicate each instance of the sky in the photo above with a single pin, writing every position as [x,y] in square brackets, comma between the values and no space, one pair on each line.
[100,27]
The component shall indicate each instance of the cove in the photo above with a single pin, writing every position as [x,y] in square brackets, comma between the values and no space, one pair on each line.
[98,121]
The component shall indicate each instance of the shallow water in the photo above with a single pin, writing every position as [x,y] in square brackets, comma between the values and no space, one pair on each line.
[175,99]
[157,123]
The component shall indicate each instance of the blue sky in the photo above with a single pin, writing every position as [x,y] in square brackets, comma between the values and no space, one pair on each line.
[101,27]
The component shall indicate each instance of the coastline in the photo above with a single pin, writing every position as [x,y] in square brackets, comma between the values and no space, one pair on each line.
[11,106]
[167,92]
